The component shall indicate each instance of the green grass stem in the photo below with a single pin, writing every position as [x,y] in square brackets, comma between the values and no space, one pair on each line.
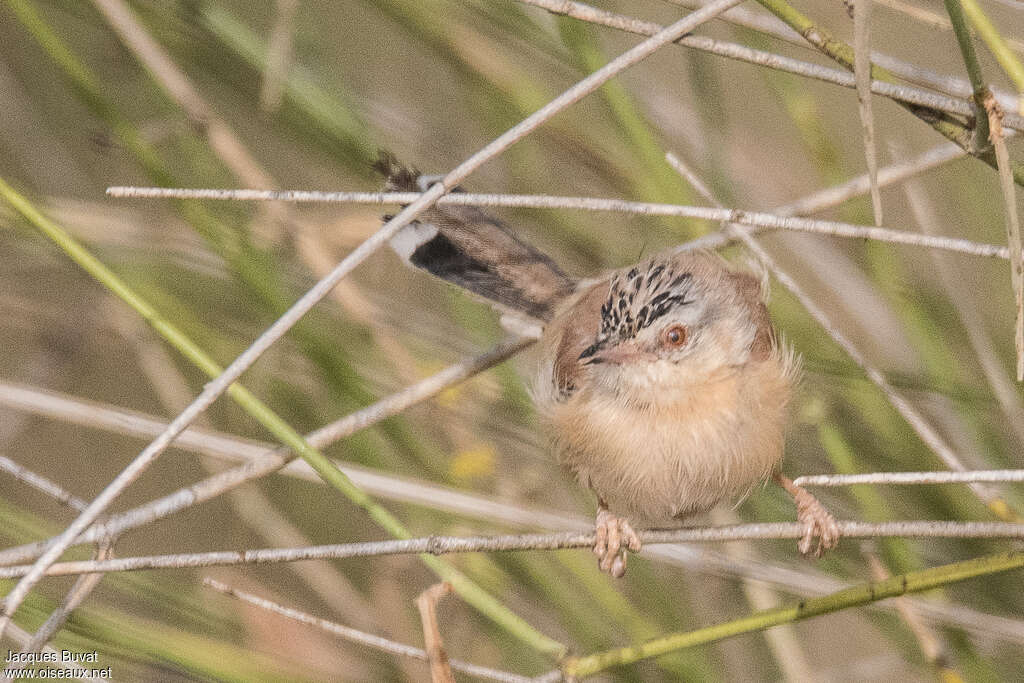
[843,53]
[863,594]
[328,471]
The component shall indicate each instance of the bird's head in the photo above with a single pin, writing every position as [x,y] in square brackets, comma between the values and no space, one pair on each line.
[670,323]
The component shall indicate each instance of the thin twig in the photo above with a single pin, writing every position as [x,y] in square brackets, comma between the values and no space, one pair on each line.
[249,503]
[236,449]
[41,483]
[1010,63]
[426,603]
[221,138]
[904,478]
[928,434]
[218,386]
[855,187]
[930,643]
[933,19]
[360,637]
[842,53]
[260,461]
[905,94]
[963,38]
[81,590]
[1012,219]
[468,590]
[445,545]
[324,467]
[773,26]
[431,496]
[753,219]
[862,76]
[965,301]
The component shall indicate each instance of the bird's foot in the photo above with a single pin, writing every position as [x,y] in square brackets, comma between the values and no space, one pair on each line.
[816,520]
[614,537]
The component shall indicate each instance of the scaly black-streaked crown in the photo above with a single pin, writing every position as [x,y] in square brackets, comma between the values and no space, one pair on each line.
[640,296]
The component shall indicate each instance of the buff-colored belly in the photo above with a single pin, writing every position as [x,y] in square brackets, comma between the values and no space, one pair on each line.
[656,464]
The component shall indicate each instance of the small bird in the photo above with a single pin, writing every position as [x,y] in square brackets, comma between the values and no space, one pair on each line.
[664,384]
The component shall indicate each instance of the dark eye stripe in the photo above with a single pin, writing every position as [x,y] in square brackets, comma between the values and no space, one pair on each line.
[590,351]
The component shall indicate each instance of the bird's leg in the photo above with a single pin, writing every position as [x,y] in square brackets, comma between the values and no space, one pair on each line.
[613,536]
[816,520]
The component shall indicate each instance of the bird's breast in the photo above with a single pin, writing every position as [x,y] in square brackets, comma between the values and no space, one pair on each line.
[678,453]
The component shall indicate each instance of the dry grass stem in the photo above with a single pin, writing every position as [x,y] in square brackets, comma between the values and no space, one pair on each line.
[912,73]
[928,640]
[881,478]
[261,461]
[360,637]
[81,589]
[345,118]
[753,219]
[431,496]
[223,141]
[965,301]
[903,93]
[862,76]
[41,483]
[426,603]
[914,418]
[888,175]
[837,194]
[279,55]
[444,545]
[995,127]
[261,514]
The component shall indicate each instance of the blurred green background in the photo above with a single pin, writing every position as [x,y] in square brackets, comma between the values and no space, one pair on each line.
[433,81]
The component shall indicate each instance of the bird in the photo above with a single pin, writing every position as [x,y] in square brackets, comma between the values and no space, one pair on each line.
[663,384]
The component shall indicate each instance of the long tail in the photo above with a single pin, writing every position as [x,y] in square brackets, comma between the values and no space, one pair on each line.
[465,246]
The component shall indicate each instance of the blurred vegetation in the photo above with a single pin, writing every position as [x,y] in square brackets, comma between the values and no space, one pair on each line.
[433,81]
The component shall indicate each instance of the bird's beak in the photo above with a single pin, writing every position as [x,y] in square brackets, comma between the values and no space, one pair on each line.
[620,354]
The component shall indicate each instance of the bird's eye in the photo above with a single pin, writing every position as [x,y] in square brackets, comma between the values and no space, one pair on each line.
[674,335]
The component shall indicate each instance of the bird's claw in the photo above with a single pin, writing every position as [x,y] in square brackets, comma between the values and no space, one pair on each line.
[817,522]
[613,537]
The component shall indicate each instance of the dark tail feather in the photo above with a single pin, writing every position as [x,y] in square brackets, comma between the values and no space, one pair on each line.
[465,246]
